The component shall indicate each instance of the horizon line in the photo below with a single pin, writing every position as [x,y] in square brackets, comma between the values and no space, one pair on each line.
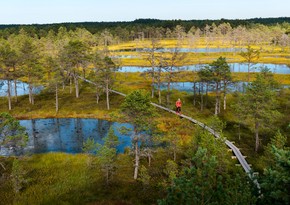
[128,21]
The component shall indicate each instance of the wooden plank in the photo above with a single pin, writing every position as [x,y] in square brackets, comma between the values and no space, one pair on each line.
[235,150]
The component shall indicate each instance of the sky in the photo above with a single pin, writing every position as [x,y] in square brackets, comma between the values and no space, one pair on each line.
[59,11]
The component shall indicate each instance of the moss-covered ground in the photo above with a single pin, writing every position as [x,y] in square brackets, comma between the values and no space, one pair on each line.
[59,178]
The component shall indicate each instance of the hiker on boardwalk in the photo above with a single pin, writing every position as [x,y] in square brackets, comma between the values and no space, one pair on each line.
[178,106]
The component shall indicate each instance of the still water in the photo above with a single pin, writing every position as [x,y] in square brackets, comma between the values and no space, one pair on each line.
[21,88]
[188,87]
[235,67]
[68,135]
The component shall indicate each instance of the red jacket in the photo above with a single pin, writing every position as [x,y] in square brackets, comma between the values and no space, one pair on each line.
[178,103]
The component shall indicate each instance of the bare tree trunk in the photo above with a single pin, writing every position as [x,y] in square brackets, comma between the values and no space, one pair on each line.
[199,88]
[149,160]
[70,85]
[152,89]
[257,137]
[97,95]
[225,96]
[29,93]
[159,93]
[136,160]
[216,99]
[31,98]
[219,99]
[169,84]
[159,85]
[225,101]
[107,94]
[76,85]
[194,93]
[206,95]
[15,90]
[168,93]
[201,97]
[9,94]
[2,166]
[219,104]
[56,98]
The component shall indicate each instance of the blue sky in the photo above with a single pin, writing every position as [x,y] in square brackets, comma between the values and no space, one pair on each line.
[56,11]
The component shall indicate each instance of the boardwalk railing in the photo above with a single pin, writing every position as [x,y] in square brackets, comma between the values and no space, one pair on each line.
[235,150]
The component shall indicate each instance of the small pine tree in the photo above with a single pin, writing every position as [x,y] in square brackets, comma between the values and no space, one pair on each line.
[89,146]
[144,176]
[171,170]
[111,141]
[12,134]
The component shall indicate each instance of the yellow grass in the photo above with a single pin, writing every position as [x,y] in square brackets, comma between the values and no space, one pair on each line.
[268,54]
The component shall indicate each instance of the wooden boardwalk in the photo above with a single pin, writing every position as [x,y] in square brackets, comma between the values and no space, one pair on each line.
[234,149]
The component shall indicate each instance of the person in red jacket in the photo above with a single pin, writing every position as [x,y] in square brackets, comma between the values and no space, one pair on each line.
[178,106]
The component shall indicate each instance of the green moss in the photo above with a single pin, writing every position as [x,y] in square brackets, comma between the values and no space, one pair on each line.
[59,178]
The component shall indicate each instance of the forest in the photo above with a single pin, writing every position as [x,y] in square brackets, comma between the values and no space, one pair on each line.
[87,112]
[138,25]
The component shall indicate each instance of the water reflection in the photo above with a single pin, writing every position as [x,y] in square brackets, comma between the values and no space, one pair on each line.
[235,67]
[21,88]
[202,87]
[67,135]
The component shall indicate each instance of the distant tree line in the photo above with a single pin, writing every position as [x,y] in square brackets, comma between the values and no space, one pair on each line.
[144,26]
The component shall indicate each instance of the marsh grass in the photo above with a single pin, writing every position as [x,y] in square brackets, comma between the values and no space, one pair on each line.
[58,178]
[268,54]
[205,58]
